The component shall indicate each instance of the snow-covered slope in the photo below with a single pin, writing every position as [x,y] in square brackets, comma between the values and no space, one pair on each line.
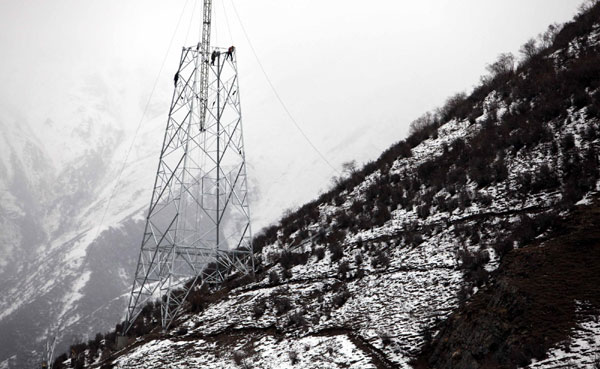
[364,276]
[71,213]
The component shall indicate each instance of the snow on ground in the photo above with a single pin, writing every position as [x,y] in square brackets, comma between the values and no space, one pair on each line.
[581,351]
[399,302]
[267,352]
[387,310]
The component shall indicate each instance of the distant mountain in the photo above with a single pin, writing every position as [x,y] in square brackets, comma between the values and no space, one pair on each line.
[472,243]
[71,213]
[56,265]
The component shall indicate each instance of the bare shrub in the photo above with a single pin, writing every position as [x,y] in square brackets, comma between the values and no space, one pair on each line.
[358,259]
[380,259]
[293,355]
[547,38]
[454,106]
[274,278]
[504,64]
[297,319]
[242,358]
[259,308]
[336,250]
[349,168]
[529,49]
[386,338]
[319,252]
[586,6]
[286,274]
[340,298]
[343,269]
[281,303]
[424,122]
[503,247]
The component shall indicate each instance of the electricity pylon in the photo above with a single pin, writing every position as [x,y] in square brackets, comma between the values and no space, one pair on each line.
[198,224]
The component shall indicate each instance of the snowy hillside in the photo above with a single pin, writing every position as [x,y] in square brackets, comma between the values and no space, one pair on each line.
[380,271]
[71,221]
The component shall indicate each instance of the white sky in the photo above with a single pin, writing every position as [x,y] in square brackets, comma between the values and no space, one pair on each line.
[353,73]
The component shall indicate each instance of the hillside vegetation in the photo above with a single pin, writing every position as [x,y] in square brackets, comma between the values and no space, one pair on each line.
[465,245]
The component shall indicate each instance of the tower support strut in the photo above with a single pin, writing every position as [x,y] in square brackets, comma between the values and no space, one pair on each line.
[198,224]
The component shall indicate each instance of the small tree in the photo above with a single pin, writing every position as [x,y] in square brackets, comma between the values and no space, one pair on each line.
[450,106]
[341,297]
[242,358]
[319,252]
[529,49]
[349,168]
[586,6]
[423,122]
[547,38]
[281,303]
[503,65]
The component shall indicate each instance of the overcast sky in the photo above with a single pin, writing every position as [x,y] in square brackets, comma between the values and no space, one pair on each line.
[353,73]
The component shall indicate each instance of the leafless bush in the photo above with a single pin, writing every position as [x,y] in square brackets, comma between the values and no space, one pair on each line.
[274,277]
[340,298]
[319,252]
[349,168]
[423,122]
[282,303]
[587,5]
[336,250]
[386,338]
[293,355]
[242,358]
[547,38]
[358,259]
[529,49]
[505,63]
[454,105]
[259,308]
[343,269]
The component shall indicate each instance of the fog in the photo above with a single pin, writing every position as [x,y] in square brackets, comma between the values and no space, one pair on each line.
[353,74]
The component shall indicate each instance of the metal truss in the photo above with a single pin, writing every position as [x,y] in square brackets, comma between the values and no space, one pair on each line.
[198,225]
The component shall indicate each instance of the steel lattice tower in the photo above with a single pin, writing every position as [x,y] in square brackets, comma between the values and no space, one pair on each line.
[198,224]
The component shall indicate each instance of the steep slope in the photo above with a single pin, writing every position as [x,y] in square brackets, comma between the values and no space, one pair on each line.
[367,274]
[537,299]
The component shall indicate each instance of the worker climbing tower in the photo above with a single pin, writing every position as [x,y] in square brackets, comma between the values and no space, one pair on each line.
[198,224]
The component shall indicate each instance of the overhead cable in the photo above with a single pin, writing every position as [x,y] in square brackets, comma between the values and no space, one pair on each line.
[281,102]
[112,194]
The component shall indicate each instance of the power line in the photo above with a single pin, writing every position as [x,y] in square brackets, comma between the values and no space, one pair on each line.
[227,22]
[112,194]
[281,102]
